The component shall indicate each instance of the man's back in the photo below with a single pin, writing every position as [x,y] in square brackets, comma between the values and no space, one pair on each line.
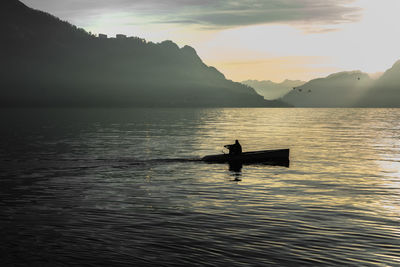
[235,149]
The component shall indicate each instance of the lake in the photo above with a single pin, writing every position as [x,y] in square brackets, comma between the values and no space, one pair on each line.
[123,187]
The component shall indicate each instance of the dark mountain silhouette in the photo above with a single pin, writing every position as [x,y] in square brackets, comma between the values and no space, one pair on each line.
[343,89]
[49,62]
[385,92]
[270,90]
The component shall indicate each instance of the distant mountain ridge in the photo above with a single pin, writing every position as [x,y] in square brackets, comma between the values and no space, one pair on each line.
[385,91]
[49,62]
[349,89]
[270,90]
[342,89]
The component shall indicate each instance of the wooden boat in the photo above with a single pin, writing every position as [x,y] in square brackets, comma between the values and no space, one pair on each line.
[264,156]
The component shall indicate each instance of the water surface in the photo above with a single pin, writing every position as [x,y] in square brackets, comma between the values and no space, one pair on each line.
[103,187]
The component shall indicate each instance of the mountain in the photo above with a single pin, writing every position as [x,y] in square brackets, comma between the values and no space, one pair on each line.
[270,90]
[49,62]
[343,89]
[385,92]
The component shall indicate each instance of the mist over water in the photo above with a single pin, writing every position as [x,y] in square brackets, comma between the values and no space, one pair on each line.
[104,187]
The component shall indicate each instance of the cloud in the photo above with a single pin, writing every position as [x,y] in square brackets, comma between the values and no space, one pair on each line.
[216,13]
[317,30]
[255,12]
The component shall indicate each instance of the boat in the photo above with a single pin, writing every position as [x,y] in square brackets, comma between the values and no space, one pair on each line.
[264,156]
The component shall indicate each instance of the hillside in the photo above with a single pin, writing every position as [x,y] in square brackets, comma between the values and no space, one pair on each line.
[49,62]
[270,90]
[386,90]
[343,89]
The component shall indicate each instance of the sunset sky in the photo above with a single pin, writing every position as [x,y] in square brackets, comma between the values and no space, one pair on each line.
[254,39]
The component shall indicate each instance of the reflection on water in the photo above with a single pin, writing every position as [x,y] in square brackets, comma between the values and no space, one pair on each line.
[236,169]
[125,187]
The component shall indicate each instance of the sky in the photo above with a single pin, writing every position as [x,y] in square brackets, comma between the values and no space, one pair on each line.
[254,39]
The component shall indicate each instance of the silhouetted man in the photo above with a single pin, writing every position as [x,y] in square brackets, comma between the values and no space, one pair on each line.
[235,149]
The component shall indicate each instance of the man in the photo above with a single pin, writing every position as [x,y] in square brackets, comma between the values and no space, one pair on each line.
[235,149]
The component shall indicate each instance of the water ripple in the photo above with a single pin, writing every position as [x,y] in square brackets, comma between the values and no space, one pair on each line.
[125,187]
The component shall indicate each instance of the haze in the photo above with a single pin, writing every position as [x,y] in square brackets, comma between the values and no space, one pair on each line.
[264,40]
